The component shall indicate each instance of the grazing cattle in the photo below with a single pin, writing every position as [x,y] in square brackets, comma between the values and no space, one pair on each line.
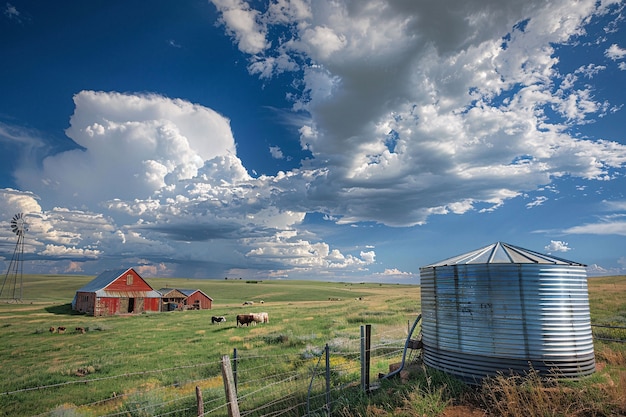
[265,318]
[218,319]
[248,303]
[60,329]
[260,317]
[80,330]
[52,329]
[245,319]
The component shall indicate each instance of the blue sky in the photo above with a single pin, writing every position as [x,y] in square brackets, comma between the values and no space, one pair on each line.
[334,140]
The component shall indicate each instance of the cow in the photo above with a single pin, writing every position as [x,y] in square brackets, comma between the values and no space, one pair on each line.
[60,329]
[80,330]
[248,303]
[245,319]
[260,317]
[218,319]
[52,329]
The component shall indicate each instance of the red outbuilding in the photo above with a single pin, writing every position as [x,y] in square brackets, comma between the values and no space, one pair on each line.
[196,300]
[121,291]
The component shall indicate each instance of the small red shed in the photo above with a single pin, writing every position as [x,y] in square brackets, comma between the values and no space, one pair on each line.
[197,300]
[121,291]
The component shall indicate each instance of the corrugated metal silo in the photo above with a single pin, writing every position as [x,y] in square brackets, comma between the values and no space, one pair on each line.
[502,308]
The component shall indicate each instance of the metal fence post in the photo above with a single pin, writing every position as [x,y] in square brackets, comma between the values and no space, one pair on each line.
[363,358]
[235,367]
[327,380]
[368,343]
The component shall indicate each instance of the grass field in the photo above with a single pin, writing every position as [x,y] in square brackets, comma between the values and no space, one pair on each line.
[303,318]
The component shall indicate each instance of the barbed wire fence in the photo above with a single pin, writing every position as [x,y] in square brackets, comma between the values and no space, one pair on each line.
[308,383]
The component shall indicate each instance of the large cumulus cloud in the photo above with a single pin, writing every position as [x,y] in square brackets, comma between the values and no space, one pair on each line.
[438,108]
[158,181]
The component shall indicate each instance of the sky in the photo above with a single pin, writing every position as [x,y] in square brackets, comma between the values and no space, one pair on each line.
[291,139]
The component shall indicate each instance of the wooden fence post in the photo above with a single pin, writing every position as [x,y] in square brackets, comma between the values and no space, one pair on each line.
[199,401]
[229,387]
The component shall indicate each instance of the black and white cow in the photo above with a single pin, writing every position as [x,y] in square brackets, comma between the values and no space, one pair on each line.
[218,319]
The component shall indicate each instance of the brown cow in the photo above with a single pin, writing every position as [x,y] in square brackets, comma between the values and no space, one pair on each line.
[52,329]
[245,319]
[60,329]
[80,330]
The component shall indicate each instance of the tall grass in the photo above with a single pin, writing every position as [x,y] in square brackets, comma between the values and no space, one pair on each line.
[533,396]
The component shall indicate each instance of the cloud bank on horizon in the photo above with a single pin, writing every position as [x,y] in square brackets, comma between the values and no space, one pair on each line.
[407,111]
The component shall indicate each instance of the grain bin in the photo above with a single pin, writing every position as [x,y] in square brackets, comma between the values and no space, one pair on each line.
[505,309]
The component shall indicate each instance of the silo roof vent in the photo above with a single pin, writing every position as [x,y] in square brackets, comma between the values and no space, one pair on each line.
[500,253]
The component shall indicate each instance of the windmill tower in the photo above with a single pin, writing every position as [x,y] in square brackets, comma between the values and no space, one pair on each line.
[13,280]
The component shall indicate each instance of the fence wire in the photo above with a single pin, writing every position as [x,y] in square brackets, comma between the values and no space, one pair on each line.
[268,385]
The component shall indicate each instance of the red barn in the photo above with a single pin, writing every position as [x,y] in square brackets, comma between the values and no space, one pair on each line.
[197,300]
[120,291]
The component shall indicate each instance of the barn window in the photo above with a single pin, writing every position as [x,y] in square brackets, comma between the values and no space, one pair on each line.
[129,279]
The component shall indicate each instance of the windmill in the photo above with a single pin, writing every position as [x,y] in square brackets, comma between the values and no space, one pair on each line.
[14,275]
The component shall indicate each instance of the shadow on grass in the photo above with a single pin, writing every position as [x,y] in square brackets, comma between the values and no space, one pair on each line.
[62,309]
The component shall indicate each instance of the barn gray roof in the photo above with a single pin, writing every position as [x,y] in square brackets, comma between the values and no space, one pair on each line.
[500,253]
[98,285]
[190,292]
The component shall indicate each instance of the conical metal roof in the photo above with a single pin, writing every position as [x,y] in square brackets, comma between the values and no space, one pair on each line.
[500,253]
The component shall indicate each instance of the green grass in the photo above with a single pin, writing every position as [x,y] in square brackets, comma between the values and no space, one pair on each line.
[165,355]
[302,318]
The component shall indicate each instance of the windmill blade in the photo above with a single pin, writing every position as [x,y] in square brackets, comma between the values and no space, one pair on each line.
[18,225]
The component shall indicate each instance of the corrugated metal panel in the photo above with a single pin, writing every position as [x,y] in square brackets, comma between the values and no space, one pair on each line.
[501,252]
[104,279]
[482,318]
[127,294]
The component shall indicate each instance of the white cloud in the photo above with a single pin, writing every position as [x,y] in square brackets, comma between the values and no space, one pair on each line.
[11,12]
[557,246]
[61,252]
[323,41]
[539,200]
[603,228]
[615,52]
[607,224]
[134,145]
[243,24]
[276,152]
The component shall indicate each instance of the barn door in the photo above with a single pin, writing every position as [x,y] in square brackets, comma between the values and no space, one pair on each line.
[131,305]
